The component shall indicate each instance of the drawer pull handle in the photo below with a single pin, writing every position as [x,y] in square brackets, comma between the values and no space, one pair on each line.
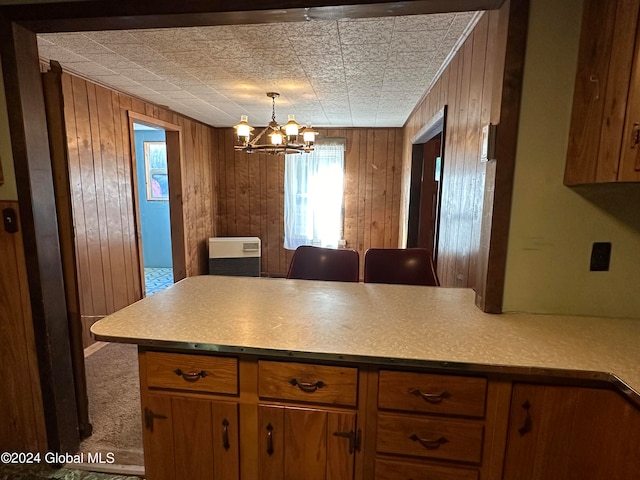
[528,421]
[635,135]
[307,387]
[190,376]
[430,397]
[430,444]
[270,439]
[225,434]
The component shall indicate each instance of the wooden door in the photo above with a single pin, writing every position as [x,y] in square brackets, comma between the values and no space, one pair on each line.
[430,196]
[190,438]
[567,433]
[306,444]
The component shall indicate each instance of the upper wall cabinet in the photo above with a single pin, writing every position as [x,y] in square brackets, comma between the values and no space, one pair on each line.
[604,138]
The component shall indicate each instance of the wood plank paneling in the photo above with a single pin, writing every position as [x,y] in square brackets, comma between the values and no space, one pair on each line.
[22,424]
[101,168]
[472,87]
[251,194]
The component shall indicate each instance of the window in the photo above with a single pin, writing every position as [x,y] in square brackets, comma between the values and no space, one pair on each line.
[155,161]
[313,196]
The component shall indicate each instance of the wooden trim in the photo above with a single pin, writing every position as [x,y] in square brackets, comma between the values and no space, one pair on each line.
[52,84]
[173,139]
[514,19]
[34,179]
[105,15]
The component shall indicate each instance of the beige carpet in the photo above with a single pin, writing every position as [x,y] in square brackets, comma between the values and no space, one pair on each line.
[114,404]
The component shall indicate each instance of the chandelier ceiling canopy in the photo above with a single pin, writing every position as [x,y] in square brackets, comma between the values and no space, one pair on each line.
[286,139]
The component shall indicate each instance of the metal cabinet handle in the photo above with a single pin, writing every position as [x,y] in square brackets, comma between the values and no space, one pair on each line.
[225,434]
[429,444]
[307,387]
[270,439]
[434,398]
[190,376]
[355,439]
[635,135]
[149,417]
[528,421]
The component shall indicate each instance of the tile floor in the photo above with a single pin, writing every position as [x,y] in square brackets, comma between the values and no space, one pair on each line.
[156,279]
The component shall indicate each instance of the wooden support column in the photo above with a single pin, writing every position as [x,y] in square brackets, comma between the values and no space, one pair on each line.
[496,214]
[34,178]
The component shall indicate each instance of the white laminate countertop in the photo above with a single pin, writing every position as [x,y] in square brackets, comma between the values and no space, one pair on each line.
[394,324]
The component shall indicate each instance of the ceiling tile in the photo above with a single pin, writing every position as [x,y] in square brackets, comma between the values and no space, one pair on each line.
[372,52]
[60,54]
[365,31]
[76,42]
[116,80]
[88,68]
[362,72]
[420,23]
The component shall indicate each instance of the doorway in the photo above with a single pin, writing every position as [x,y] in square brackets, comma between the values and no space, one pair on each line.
[425,192]
[153,207]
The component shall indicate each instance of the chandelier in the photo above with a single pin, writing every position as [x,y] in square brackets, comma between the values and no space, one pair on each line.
[285,139]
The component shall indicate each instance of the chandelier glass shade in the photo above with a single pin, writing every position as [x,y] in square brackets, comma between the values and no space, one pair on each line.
[286,139]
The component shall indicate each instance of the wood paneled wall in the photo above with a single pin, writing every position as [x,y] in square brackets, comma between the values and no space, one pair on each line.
[466,86]
[251,193]
[101,169]
[22,425]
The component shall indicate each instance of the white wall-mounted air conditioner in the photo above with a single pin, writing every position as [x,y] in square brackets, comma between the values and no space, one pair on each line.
[236,256]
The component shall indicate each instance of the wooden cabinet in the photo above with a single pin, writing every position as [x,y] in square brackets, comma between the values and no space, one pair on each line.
[306,443]
[297,420]
[430,426]
[209,416]
[604,137]
[187,434]
[559,432]
[190,438]
[298,441]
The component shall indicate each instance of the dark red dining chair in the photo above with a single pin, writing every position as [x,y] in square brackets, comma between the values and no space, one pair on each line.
[408,266]
[316,263]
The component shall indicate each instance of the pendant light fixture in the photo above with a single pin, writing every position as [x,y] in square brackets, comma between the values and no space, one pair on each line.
[286,139]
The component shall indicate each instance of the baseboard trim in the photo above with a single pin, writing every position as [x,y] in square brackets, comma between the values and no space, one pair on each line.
[91,349]
[135,470]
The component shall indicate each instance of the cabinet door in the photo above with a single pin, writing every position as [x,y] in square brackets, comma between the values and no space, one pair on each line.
[190,438]
[630,157]
[571,433]
[306,444]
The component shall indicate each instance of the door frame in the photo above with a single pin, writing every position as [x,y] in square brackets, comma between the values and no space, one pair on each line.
[437,125]
[173,139]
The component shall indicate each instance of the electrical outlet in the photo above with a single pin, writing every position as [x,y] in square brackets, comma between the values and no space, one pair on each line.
[600,256]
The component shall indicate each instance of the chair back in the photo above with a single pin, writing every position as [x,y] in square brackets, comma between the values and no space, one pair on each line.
[316,263]
[408,266]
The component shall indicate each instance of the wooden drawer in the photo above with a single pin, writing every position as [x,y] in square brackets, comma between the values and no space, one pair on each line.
[432,393]
[308,383]
[429,437]
[199,373]
[390,470]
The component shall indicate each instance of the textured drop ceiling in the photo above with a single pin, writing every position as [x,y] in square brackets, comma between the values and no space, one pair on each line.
[348,73]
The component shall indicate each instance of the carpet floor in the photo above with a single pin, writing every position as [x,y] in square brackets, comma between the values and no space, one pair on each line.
[114,404]
[41,472]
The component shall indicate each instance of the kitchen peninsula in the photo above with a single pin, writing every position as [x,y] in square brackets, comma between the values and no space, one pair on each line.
[258,378]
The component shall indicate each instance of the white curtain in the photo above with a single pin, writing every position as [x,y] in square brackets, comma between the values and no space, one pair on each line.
[313,196]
